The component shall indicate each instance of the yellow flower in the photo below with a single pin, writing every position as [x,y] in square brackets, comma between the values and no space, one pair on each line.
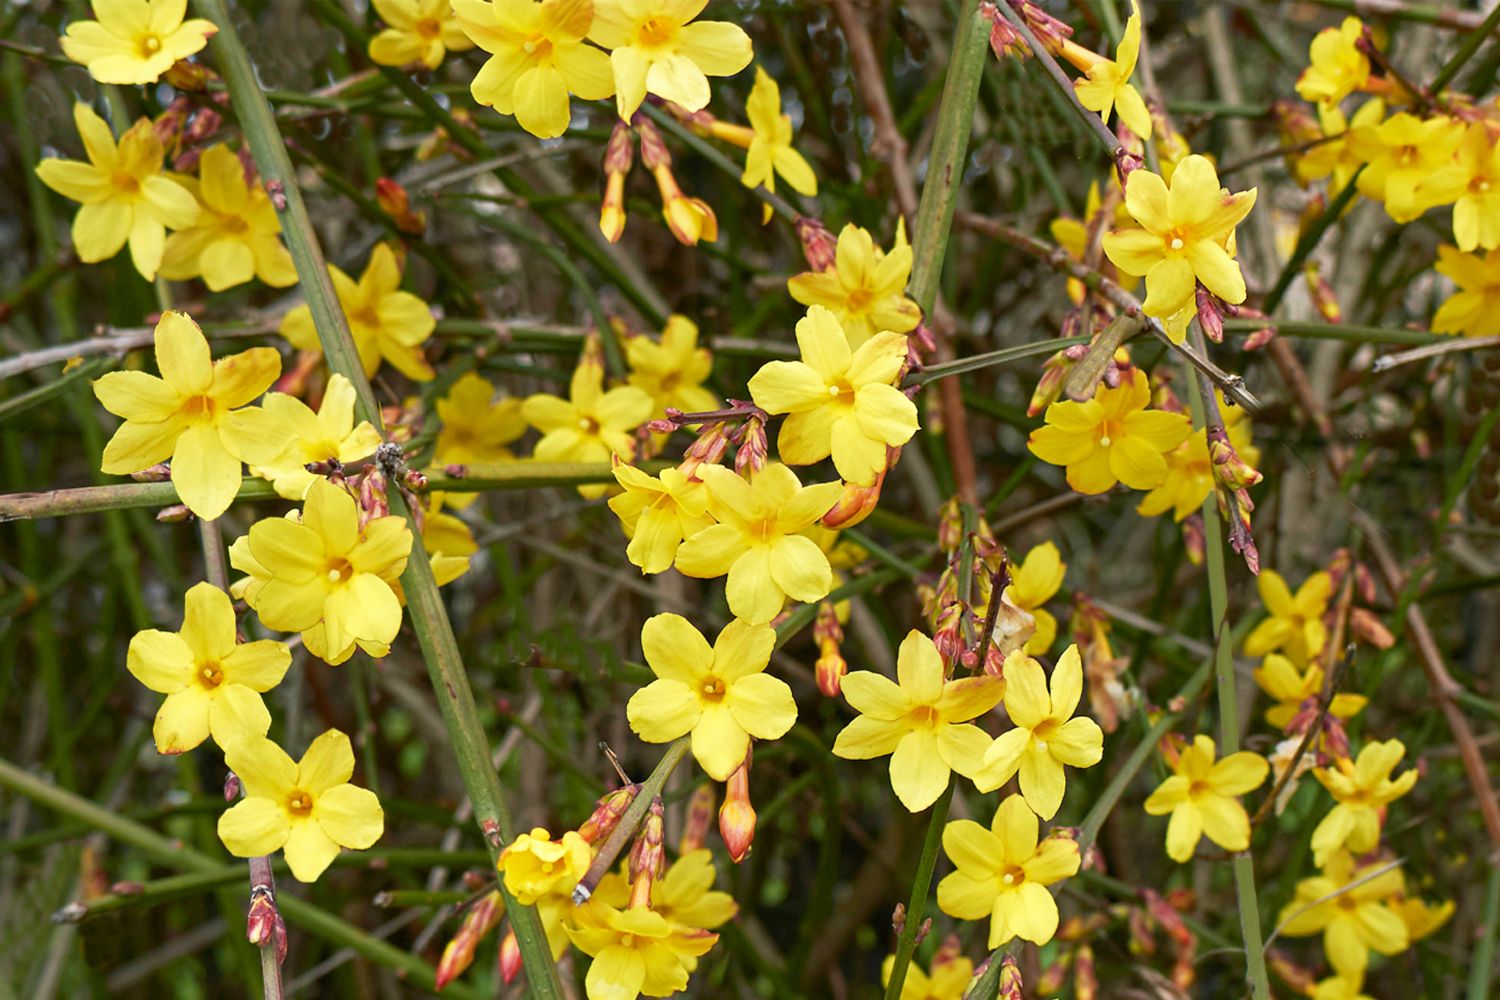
[1003,873]
[1337,67]
[1032,584]
[476,428]
[124,194]
[771,150]
[591,424]
[385,321]
[418,31]
[1111,438]
[1190,476]
[1340,988]
[213,682]
[635,951]
[672,371]
[325,576]
[1203,798]
[1399,154]
[1420,917]
[1476,203]
[1473,310]
[920,719]
[685,896]
[192,414]
[721,695]
[449,544]
[1335,158]
[1295,626]
[1349,907]
[1280,678]
[866,289]
[1046,736]
[1108,82]
[535,865]
[657,513]
[840,402]
[537,58]
[758,541]
[135,41]
[328,435]
[236,235]
[656,51]
[307,810]
[947,981]
[1185,235]
[1363,789]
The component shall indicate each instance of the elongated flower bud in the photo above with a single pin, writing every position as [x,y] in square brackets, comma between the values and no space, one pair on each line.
[856,504]
[699,815]
[736,815]
[510,957]
[483,917]
[648,857]
[818,244]
[831,666]
[1010,979]
[607,813]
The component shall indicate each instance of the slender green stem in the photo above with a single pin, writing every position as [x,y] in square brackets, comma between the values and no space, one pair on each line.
[1482,962]
[618,837]
[1466,50]
[1004,356]
[429,617]
[921,884]
[1309,241]
[1336,331]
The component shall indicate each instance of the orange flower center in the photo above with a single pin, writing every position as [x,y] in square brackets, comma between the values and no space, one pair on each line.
[197,409]
[365,315]
[764,531]
[299,803]
[339,570]
[428,28]
[126,183]
[149,45]
[1198,788]
[540,49]
[627,940]
[1109,432]
[712,689]
[925,716]
[1012,876]
[1043,732]
[655,33]
[842,393]
[860,299]
[233,224]
[588,425]
[210,675]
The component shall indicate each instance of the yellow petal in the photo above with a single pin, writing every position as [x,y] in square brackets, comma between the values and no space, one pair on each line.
[182,721]
[254,827]
[309,851]
[329,761]
[662,711]
[350,816]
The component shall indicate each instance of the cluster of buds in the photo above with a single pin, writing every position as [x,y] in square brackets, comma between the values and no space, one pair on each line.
[955,627]
[828,634]
[648,856]
[608,812]
[482,916]
[1364,624]
[741,424]
[689,218]
[264,927]
[1005,40]
[737,815]
[1053,35]
[819,246]
[396,203]
[1109,700]
[1165,913]
[1010,979]
[1233,477]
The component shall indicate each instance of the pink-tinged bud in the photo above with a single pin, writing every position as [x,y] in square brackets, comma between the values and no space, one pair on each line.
[1004,39]
[510,957]
[1085,979]
[373,502]
[481,918]
[950,951]
[619,154]
[607,813]
[1364,582]
[612,209]
[736,815]
[1049,387]
[699,815]
[263,924]
[1299,980]
[1055,975]
[818,244]
[648,857]
[231,787]
[1010,979]
[1322,294]
[204,126]
[1366,625]
[1127,163]
[1210,316]
[855,504]
[1048,30]
[395,202]
[947,636]
[831,666]
[708,449]
[753,447]
[168,125]
[950,526]
[1193,539]
[161,472]
[654,152]
[898,919]
[177,513]
[1335,738]
[187,76]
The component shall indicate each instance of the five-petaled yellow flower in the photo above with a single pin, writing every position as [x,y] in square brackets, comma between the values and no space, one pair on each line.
[686,896]
[135,41]
[1046,736]
[305,809]
[866,289]
[537,58]
[947,980]
[722,695]
[1032,584]
[326,576]
[534,865]
[656,50]
[385,321]
[1186,235]
[1337,67]
[591,425]
[417,31]
[657,513]
[237,235]
[1351,907]
[758,541]
[771,151]
[1280,678]
[308,437]
[1363,788]
[1473,310]
[920,719]
[1111,438]
[1003,873]
[635,951]
[193,415]
[672,370]
[1402,155]
[1107,84]
[1203,798]
[1295,626]
[476,428]
[213,682]
[840,402]
[123,193]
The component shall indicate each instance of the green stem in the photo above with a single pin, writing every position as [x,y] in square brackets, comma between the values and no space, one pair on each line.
[921,884]
[615,843]
[1466,50]
[1004,356]
[1482,962]
[1336,331]
[429,617]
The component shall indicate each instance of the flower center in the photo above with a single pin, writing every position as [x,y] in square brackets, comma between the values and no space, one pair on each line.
[197,409]
[234,224]
[925,716]
[210,675]
[842,393]
[711,689]
[655,32]
[299,803]
[1109,433]
[365,316]
[149,45]
[339,570]
[538,48]
[1011,876]
[860,299]
[547,867]
[1198,788]
[627,940]
[126,183]
[1177,243]
[428,28]
[588,425]
[764,531]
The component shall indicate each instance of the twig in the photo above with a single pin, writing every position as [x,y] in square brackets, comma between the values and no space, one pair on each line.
[625,829]
[1325,702]
[1388,361]
[114,341]
[1335,894]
